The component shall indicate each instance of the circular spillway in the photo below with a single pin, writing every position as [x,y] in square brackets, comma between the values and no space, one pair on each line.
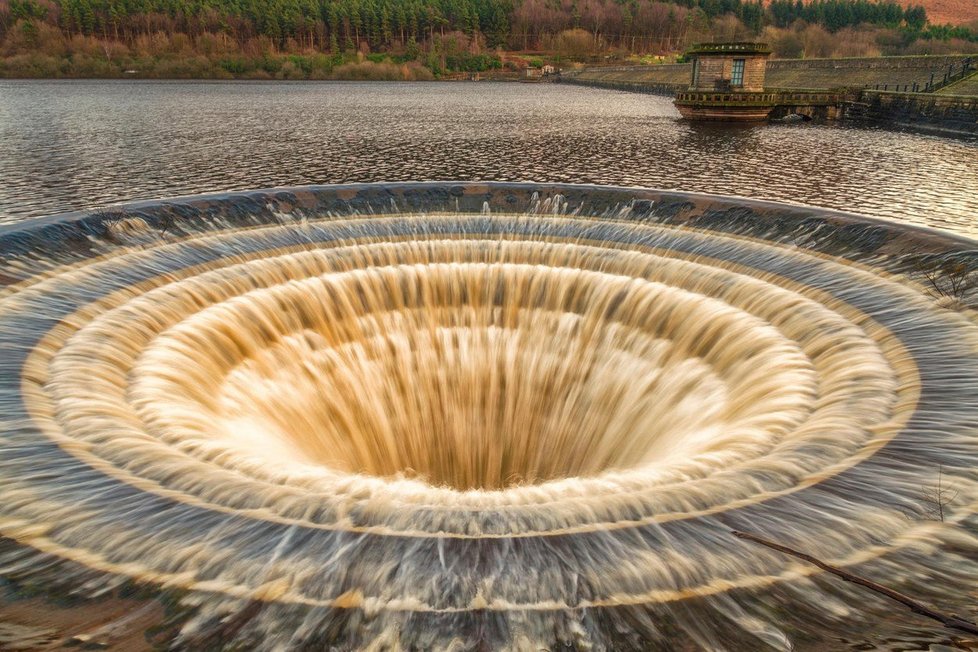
[485,416]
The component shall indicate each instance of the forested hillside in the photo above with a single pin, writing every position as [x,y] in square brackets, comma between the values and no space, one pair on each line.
[956,12]
[337,25]
[417,38]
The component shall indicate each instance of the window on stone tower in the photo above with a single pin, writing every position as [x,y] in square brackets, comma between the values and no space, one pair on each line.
[737,77]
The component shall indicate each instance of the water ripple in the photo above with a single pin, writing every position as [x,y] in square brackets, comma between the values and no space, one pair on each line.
[75,145]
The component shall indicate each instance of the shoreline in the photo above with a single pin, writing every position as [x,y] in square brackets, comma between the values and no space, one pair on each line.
[221,80]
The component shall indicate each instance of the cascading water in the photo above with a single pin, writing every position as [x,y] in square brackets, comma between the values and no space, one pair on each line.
[488,416]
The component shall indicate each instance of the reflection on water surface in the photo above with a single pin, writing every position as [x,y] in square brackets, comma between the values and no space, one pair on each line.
[72,145]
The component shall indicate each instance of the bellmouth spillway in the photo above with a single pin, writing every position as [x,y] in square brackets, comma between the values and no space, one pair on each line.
[447,415]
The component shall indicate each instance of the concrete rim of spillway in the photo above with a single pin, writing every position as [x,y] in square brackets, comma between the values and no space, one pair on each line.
[627,202]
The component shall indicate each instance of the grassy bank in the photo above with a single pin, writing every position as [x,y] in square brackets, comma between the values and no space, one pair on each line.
[105,65]
[38,50]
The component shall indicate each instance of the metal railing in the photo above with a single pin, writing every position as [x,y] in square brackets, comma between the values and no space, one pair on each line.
[954,73]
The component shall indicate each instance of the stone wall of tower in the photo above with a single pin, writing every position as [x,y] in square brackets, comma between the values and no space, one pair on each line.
[708,70]
[754,69]
[711,68]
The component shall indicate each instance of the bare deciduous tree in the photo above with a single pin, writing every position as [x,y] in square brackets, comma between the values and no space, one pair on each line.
[934,500]
[949,621]
[951,276]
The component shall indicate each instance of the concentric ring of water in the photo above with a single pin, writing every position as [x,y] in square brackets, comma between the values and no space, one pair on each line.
[507,419]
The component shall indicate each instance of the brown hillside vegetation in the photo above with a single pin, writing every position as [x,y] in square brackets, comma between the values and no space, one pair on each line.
[941,12]
[956,12]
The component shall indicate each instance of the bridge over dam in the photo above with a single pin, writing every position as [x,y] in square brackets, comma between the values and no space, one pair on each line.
[930,93]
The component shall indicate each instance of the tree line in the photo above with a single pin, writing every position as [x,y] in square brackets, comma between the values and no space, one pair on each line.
[333,25]
[383,25]
[838,14]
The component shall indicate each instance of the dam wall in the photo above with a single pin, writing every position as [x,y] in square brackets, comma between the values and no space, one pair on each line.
[881,90]
[665,79]
[940,114]
[965,86]
[887,73]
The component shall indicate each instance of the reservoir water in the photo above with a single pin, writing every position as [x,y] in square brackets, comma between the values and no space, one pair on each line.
[82,144]
[486,415]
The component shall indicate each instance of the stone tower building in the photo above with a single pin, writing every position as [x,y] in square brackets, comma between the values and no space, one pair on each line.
[727,83]
[729,66]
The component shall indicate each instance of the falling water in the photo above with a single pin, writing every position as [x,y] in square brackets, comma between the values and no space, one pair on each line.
[420,416]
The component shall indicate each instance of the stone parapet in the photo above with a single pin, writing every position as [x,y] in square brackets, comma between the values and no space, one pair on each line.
[944,114]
